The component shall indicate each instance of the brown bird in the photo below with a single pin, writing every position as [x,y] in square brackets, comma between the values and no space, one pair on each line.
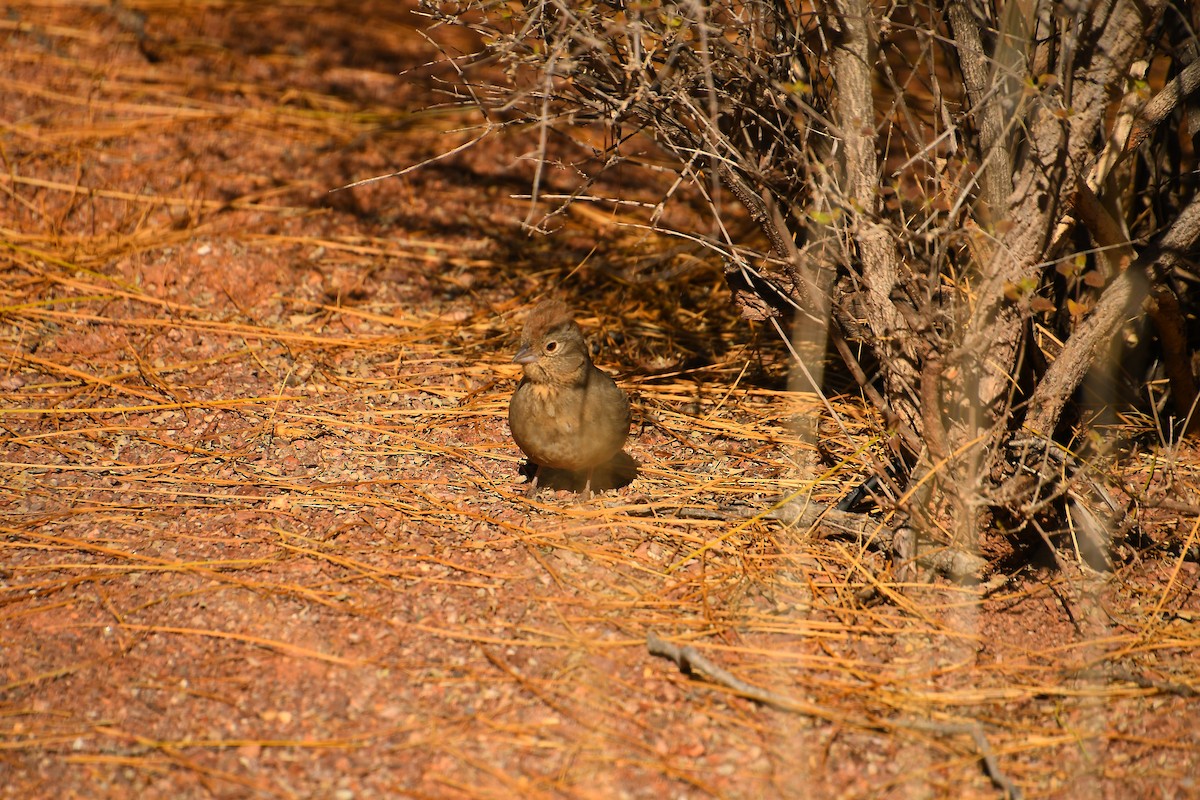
[566,414]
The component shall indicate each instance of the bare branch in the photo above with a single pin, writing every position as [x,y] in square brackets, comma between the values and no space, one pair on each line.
[852,62]
[1116,304]
[997,161]
[1159,107]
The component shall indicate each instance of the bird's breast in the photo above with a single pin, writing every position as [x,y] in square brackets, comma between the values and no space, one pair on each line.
[546,395]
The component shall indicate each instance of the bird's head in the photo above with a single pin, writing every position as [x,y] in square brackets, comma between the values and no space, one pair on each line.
[552,346]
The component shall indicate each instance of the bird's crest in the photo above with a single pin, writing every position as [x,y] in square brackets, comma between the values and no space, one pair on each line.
[546,316]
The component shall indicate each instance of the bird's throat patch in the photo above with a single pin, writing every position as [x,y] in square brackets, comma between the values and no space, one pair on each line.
[546,394]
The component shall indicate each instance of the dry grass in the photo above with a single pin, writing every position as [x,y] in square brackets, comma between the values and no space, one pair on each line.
[263,531]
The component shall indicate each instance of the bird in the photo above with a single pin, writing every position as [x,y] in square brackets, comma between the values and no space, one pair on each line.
[566,413]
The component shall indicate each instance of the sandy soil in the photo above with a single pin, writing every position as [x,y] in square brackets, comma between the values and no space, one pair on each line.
[264,531]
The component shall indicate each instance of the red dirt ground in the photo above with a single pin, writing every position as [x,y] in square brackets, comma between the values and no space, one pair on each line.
[263,529]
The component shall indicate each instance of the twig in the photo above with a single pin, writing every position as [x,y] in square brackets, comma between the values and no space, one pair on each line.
[991,764]
[1164,687]
[828,522]
[1162,104]
[691,662]
[867,532]
[1095,333]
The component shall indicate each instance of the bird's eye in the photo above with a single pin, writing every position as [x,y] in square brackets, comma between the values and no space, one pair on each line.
[551,346]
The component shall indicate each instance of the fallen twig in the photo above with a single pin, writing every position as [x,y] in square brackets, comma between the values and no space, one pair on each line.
[867,531]
[690,662]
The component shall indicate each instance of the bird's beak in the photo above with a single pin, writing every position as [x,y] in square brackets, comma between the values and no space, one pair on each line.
[525,356]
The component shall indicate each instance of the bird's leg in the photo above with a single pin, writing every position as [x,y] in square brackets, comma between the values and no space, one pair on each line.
[533,484]
[587,486]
